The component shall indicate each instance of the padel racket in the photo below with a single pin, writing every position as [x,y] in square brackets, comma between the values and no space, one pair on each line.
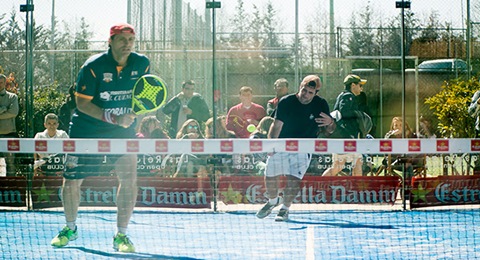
[149,94]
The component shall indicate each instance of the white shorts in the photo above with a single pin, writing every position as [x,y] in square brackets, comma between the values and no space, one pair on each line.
[294,164]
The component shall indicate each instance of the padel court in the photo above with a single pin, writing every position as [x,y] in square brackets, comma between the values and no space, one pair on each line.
[424,234]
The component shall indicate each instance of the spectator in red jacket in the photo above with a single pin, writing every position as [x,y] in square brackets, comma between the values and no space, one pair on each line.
[244,114]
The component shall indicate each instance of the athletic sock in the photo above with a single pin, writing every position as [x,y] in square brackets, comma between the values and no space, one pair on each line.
[285,207]
[71,225]
[122,230]
[274,201]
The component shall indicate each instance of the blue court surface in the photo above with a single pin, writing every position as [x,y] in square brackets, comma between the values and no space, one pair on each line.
[426,234]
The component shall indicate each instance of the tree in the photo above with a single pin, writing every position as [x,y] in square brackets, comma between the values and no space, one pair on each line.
[450,107]
[361,41]
[430,33]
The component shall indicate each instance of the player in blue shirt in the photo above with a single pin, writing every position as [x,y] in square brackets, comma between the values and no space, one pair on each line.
[104,110]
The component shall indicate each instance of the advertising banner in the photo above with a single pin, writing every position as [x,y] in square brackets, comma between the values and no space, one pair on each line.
[13,191]
[445,190]
[152,192]
[314,190]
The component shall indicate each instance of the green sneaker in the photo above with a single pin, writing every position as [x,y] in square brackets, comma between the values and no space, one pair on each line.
[123,244]
[64,236]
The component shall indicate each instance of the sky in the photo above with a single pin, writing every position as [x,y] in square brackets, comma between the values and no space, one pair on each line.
[107,12]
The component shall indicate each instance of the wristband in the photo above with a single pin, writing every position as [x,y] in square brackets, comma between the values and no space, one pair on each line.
[109,117]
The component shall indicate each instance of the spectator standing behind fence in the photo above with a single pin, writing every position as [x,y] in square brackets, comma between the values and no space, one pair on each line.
[104,100]
[281,89]
[300,115]
[8,113]
[185,105]
[244,113]
[349,116]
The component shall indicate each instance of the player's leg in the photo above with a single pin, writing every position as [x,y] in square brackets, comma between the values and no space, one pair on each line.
[276,166]
[71,202]
[298,167]
[291,190]
[126,170]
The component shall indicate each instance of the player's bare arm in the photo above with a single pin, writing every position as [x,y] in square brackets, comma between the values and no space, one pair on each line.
[275,129]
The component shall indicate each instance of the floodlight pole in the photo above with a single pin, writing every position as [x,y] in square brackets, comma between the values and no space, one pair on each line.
[469,41]
[28,9]
[213,5]
[403,4]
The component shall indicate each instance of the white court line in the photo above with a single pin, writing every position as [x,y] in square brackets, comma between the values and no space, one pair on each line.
[310,244]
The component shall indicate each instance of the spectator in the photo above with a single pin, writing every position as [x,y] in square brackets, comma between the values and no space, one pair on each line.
[409,163]
[262,128]
[221,130]
[191,165]
[348,125]
[185,105]
[426,128]
[8,113]
[396,129]
[104,110]
[244,114]
[147,164]
[299,115]
[281,89]
[51,132]
[190,130]
[147,127]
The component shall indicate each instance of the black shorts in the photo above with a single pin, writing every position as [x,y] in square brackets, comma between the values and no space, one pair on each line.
[82,166]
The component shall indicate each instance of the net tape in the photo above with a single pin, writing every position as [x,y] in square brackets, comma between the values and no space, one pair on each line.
[235,146]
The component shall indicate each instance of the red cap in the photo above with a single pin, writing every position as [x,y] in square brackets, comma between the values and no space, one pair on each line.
[121,28]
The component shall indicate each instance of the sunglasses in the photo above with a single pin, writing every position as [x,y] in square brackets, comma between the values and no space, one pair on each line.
[192,126]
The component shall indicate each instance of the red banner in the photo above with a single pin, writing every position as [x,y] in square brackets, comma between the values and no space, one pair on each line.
[445,190]
[314,190]
[152,192]
[13,192]
[197,193]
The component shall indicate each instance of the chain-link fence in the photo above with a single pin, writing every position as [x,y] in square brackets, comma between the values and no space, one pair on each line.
[255,43]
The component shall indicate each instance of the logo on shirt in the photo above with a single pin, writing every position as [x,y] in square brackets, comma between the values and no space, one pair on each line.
[311,117]
[105,96]
[107,77]
[134,73]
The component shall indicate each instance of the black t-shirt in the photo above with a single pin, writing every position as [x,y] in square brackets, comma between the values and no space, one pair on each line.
[299,119]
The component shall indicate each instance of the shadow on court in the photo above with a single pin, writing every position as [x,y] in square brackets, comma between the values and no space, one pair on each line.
[137,255]
[340,225]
